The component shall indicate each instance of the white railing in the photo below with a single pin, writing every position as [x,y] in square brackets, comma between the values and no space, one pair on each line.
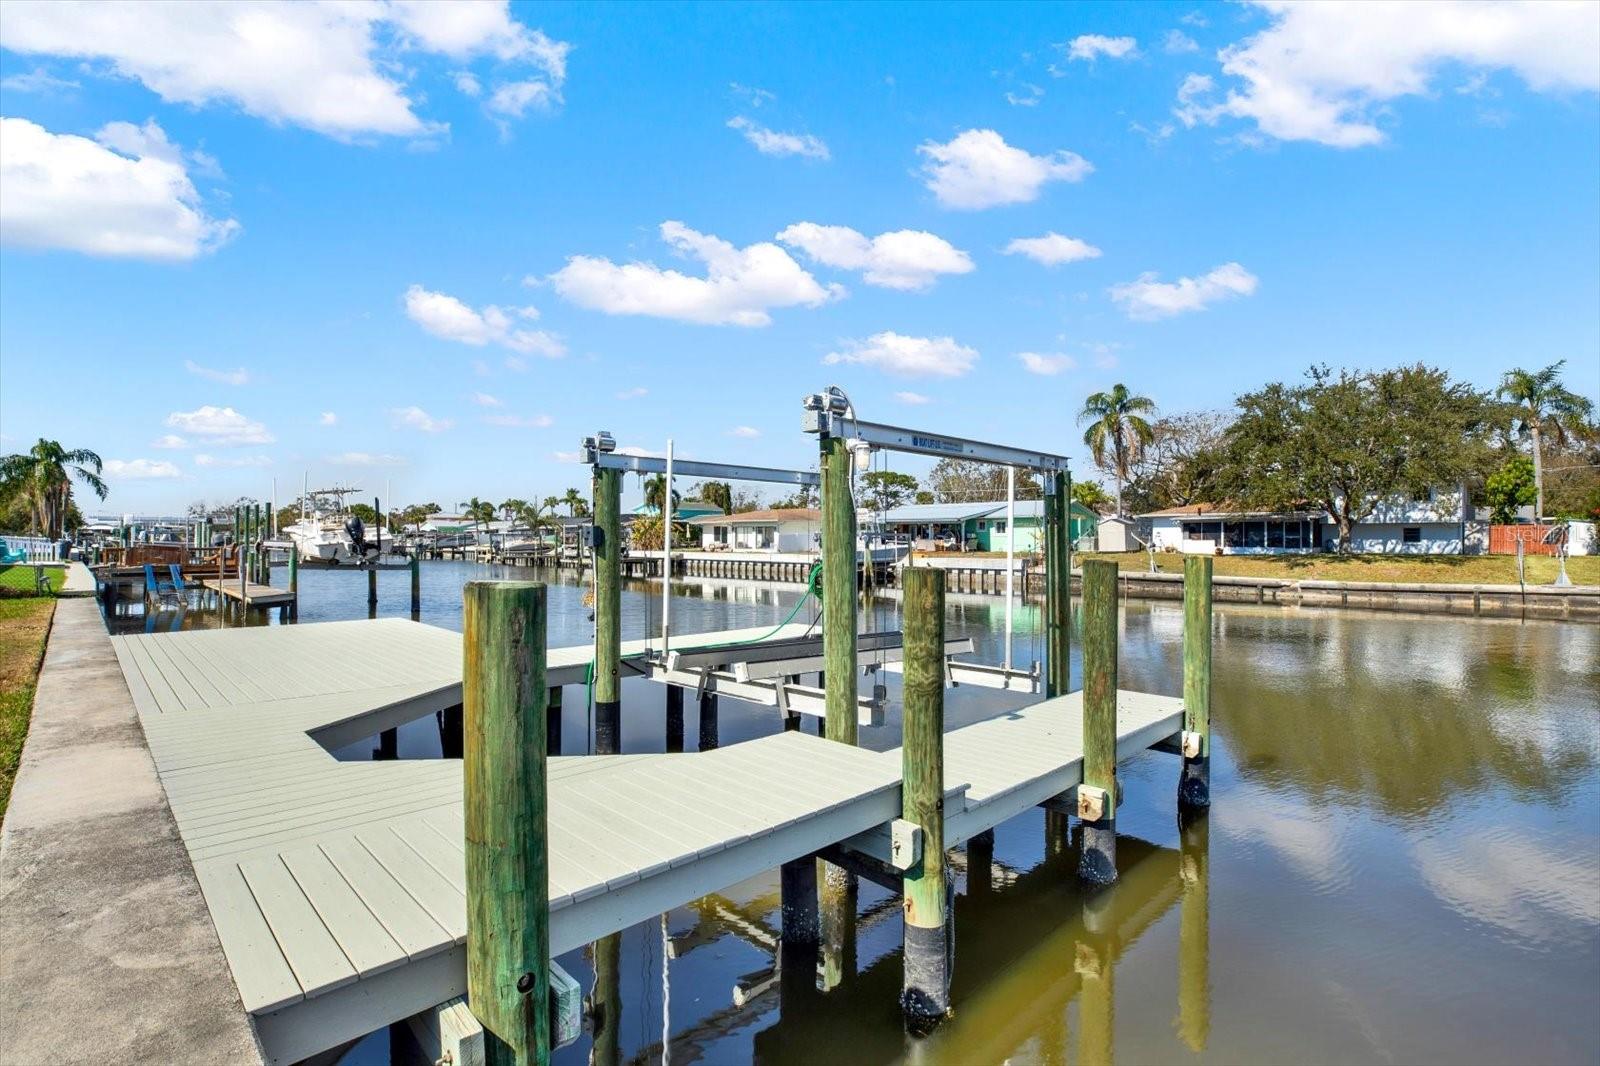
[37,549]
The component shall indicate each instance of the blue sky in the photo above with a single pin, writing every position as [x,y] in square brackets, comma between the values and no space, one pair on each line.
[473,234]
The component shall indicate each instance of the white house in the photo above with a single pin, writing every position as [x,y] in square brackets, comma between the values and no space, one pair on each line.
[1437,524]
[785,529]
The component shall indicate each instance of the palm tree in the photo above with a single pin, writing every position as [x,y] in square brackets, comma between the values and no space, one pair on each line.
[655,489]
[43,477]
[1116,433]
[512,507]
[1543,406]
[575,502]
[551,503]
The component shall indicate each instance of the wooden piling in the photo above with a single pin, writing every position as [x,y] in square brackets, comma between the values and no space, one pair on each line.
[552,721]
[508,932]
[372,589]
[1097,796]
[416,587]
[607,610]
[708,721]
[925,998]
[1194,781]
[839,590]
[294,582]
[1058,587]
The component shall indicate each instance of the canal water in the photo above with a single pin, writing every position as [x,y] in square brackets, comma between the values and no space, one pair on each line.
[1401,864]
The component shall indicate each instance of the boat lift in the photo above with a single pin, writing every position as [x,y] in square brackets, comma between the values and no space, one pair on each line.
[848,442]
[766,672]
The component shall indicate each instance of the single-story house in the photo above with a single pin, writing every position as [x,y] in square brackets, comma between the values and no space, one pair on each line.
[783,529]
[1435,524]
[979,526]
[687,510]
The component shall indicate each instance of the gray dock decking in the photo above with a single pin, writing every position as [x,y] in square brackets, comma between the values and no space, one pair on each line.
[338,888]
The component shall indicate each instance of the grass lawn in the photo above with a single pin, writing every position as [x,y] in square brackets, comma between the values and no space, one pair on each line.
[1425,569]
[24,623]
[17,579]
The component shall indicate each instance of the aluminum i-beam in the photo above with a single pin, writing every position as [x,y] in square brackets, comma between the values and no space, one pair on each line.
[651,464]
[918,442]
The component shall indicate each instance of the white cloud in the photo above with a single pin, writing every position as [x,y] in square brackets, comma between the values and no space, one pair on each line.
[337,68]
[364,459]
[170,442]
[417,418]
[1148,298]
[894,353]
[978,169]
[328,418]
[1194,18]
[483,399]
[1176,43]
[449,319]
[740,287]
[904,259]
[237,376]
[519,421]
[915,399]
[221,426]
[38,80]
[748,432]
[772,142]
[140,469]
[1046,365]
[778,143]
[514,98]
[1029,97]
[467,84]
[1323,72]
[755,96]
[633,393]
[1053,249]
[235,461]
[127,196]
[1091,46]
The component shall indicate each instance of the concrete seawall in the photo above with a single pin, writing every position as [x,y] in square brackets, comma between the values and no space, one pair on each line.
[1579,602]
[107,951]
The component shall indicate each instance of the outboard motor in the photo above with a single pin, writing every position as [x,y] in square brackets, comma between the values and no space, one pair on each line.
[357,533]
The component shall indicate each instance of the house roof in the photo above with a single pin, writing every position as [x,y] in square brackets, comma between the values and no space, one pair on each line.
[774,515]
[961,512]
[1222,510]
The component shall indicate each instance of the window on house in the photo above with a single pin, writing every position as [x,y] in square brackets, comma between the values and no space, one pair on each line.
[1000,525]
[1233,534]
[1411,535]
[1275,533]
[1255,534]
[981,524]
[1292,534]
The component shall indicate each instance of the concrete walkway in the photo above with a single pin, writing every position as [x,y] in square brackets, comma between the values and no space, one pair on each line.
[107,952]
[80,580]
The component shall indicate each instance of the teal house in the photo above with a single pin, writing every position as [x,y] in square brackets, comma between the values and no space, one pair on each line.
[979,526]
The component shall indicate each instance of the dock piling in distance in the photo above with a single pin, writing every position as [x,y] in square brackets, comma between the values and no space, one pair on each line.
[507,861]
[1097,796]
[416,585]
[294,582]
[1194,782]
[1058,587]
[925,996]
[674,725]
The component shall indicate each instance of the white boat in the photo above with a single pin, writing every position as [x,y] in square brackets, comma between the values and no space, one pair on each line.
[329,535]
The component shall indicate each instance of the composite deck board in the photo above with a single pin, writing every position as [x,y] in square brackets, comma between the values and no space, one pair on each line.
[331,881]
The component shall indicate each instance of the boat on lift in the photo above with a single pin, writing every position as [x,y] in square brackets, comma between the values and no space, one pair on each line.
[329,533]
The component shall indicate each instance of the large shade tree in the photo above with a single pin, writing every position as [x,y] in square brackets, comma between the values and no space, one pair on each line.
[1544,409]
[1117,431]
[1346,442]
[42,479]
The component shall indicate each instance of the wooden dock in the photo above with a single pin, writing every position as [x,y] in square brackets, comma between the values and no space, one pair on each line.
[338,888]
[252,595]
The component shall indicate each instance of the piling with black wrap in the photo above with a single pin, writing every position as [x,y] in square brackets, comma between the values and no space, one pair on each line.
[1097,796]
[925,996]
[1194,782]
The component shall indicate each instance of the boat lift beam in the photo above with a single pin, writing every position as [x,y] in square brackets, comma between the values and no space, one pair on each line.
[825,421]
[654,464]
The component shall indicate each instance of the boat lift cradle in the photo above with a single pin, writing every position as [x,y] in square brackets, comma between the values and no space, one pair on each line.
[767,672]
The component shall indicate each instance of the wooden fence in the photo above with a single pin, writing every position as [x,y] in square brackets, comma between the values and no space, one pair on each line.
[1503,540]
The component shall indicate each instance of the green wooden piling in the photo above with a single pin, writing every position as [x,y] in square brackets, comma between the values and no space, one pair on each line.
[925,998]
[294,581]
[1194,932]
[1194,781]
[416,585]
[1058,587]
[839,590]
[504,767]
[607,610]
[1097,862]
[372,588]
